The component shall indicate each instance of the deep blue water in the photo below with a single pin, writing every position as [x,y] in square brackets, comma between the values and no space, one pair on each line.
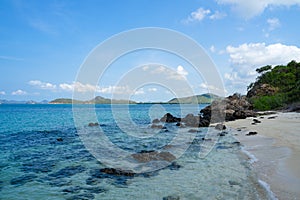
[50,152]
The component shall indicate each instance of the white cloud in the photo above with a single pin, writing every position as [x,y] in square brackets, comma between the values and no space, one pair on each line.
[2,93]
[79,87]
[201,13]
[19,92]
[181,71]
[273,23]
[217,15]
[259,54]
[179,74]
[249,9]
[152,89]
[42,85]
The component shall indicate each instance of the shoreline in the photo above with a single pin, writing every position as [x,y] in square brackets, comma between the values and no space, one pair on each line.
[274,152]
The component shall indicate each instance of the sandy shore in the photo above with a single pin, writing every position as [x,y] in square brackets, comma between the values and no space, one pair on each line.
[276,150]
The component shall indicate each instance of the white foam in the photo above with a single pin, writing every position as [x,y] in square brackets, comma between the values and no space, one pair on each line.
[267,187]
[252,158]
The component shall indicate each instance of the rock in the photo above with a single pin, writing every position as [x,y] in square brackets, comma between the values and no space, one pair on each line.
[174,166]
[158,126]
[191,120]
[192,131]
[153,155]
[155,121]
[256,121]
[220,127]
[171,198]
[261,90]
[251,133]
[272,117]
[168,118]
[117,172]
[222,134]
[59,139]
[93,124]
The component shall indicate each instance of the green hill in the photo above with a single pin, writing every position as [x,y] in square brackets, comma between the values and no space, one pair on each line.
[275,87]
[96,100]
[197,99]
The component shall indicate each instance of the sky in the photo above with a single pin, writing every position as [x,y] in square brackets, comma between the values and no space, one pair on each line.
[43,45]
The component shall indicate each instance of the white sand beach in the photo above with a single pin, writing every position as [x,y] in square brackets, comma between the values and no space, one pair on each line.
[276,150]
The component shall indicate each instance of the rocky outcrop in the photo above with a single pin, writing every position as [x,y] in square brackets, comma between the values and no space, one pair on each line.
[261,90]
[228,109]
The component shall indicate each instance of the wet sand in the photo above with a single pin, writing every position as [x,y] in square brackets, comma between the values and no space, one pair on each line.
[276,150]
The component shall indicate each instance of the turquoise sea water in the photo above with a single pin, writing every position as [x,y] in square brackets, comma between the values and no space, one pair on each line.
[43,155]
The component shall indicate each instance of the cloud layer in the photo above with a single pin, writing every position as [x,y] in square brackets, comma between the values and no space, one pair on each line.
[249,9]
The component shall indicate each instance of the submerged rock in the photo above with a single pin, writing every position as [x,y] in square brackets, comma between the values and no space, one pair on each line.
[117,172]
[171,198]
[93,124]
[153,155]
[220,127]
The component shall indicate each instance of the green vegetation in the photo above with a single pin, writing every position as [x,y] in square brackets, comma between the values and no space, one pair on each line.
[275,87]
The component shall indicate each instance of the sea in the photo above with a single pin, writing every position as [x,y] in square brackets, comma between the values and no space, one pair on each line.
[52,151]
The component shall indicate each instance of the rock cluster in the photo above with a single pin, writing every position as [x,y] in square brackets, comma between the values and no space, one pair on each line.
[228,109]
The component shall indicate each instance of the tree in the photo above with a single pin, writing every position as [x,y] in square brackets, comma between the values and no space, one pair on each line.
[263,69]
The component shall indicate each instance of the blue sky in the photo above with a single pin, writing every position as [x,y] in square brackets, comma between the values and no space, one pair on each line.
[44,43]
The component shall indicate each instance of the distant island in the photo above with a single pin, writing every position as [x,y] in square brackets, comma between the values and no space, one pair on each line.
[196,99]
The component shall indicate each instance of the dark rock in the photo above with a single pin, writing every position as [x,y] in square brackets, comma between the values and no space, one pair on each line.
[117,172]
[155,121]
[261,117]
[93,124]
[192,131]
[174,166]
[253,123]
[168,118]
[171,198]
[220,127]
[256,121]
[251,133]
[59,139]
[180,124]
[272,117]
[233,183]
[152,156]
[222,134]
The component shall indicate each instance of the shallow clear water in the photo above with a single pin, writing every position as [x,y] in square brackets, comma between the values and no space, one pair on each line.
[43,156]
